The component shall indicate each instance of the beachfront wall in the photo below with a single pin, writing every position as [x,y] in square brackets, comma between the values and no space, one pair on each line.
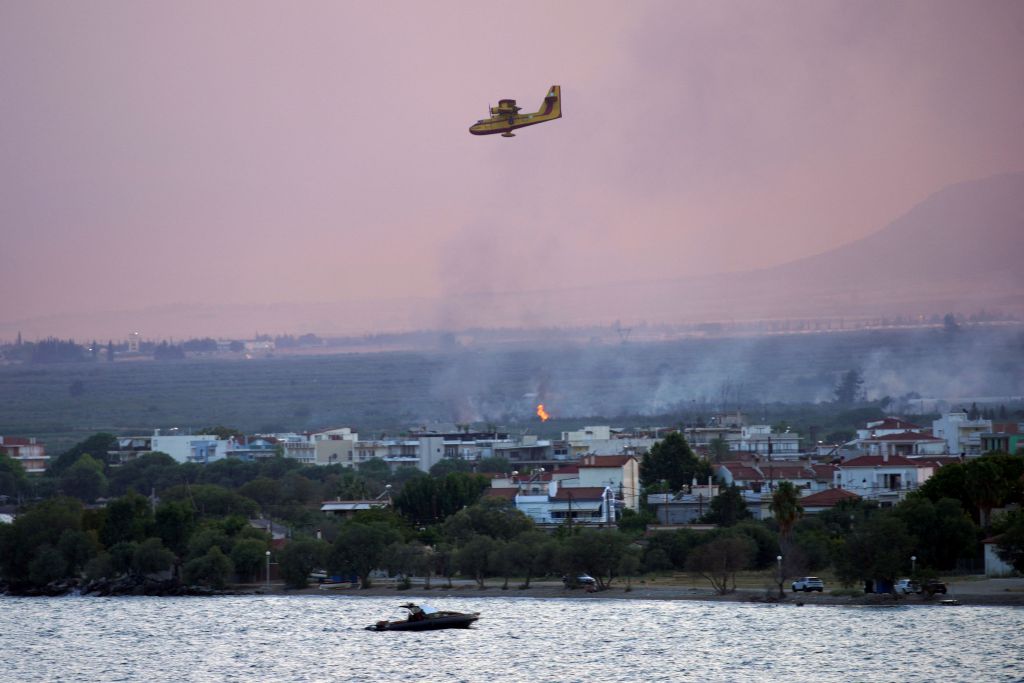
[994,565]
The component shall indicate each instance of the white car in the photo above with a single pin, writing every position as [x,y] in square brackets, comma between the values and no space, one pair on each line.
[906,586]
[808,584]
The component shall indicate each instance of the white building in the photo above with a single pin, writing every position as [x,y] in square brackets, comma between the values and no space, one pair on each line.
[885,478]
[620,473]
[334,446]
[605,440]
[761,440]
[556,503]
[758,439]
[886,427]
[962,435]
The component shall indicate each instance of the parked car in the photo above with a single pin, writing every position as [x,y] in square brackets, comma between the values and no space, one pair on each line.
[933,586]
[906,586]
[579,580]
[808,584]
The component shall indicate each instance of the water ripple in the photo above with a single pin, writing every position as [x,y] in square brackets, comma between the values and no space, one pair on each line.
[321,638]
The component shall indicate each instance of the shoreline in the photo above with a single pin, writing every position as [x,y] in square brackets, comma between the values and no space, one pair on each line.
[1013,597]
[991,592]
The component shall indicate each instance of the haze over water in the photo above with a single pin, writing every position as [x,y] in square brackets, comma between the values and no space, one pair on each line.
[313,638]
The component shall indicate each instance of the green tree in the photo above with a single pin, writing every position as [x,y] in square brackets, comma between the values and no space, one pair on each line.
[151,557]
[595,552]
[265,491]
[533,554]
[494,464]
[503,562]
[374,468]
[629,565]
[122,555]
[39,525]
[212,569]
[248,556]
[986,487]
[429,500]
[84,479]
[718,449]
[77,547]
[786,510]
[727,508]
[675,546]
[944,532]
[673,461]
[48,564]
[128,518]
[152,471]
[96,445]
[174,522]
[491,517]
[849,388]
[447,466]
[350,485]
[407,560]
[878,549]
[299,558]
[100,567]
[766,544]
[223,433]
[474,558]
[359,549]
[13,481]
[211,500]
[635,523]
[719,560]
[200,542]
[443,561]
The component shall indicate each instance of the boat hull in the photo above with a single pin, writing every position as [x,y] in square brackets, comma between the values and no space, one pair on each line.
[431,623]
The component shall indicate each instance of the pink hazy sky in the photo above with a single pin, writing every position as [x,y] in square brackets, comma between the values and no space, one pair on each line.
[265,152]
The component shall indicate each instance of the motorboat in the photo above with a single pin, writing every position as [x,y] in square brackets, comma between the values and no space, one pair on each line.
[426,618]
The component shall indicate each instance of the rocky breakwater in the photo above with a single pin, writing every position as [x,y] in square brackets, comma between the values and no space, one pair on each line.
[123,585]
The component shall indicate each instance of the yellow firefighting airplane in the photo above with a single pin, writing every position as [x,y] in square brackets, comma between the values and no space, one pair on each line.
[505,118]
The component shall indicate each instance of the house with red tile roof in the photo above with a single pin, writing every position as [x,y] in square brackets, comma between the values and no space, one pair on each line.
[28,451]
[595,506]
[620,472]
[826,500]
[760,475]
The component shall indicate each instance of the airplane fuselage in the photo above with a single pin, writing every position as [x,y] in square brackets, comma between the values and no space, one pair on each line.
[504,122]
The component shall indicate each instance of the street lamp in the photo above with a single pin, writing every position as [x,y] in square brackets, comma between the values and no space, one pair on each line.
[778,558]
[268,570]
[913,564]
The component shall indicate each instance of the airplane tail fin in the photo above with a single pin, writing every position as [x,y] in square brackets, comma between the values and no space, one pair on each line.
[552,106]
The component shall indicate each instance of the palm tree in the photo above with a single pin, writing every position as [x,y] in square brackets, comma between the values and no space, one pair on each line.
[786,509]
[985,487]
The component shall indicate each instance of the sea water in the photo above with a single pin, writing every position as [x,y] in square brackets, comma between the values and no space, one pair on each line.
[322,638]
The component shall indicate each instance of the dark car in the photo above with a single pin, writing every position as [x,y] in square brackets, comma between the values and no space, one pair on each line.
[934,586]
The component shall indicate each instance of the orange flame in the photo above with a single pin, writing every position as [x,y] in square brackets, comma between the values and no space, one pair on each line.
[541,413]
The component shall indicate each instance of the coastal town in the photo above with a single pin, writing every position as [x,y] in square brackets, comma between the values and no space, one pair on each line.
[461,502]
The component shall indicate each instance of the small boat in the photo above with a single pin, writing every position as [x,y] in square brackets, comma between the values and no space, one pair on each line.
[952,602]
[426,618]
